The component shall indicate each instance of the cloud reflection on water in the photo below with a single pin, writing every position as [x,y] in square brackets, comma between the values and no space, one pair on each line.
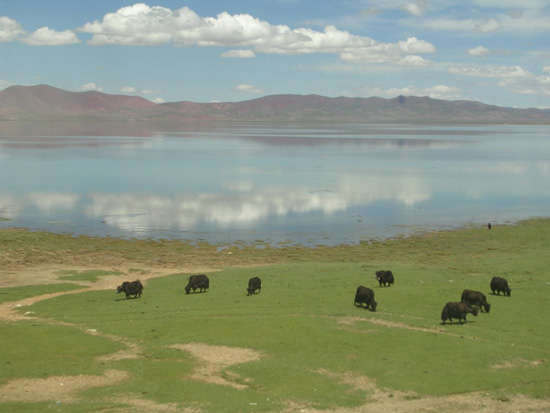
[248,204]
[344,180]
[49,202]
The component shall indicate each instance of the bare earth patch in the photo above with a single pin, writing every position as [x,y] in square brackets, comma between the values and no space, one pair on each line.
[214,359]
[136,403]
[350,321]
[512,364]
[380,400]
[57,388]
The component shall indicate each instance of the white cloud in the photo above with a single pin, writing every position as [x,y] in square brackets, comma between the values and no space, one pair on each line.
[141,24]
[135,25]
[248,89]
[435,92]
[489,26]
[413,45]
[442,92]
[10,30]
[416,9]
[478,51]
[401,52]
[489,71]
[158,100]
[239,54]
[514,78]
[48,37]
[128,89]
[546,69]
[90,86]
[413,61]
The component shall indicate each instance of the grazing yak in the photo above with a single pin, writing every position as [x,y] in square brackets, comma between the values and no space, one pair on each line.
[199,281]
[477,299]
[384,277]
[365,295]
[499,284]
[130,288]
[254,284]
[457,310]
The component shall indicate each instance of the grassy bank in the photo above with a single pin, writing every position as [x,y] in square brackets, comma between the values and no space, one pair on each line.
[298,345]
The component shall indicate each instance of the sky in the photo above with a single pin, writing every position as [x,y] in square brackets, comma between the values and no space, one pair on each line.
[493,51]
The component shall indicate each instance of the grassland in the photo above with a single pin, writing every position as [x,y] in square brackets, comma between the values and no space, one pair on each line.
[69,343]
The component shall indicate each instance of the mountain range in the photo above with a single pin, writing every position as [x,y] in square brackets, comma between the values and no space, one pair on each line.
[43,102]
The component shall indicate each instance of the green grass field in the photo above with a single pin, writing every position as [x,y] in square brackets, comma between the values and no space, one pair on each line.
[300,344]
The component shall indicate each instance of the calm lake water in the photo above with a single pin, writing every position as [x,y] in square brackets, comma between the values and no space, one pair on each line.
[321,183]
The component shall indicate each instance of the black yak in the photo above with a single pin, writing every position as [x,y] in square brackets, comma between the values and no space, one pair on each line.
[130,288]
[384,277]
[457,310]
[199,281]
[365,295]
[477,299]
[254,284]
[499,284]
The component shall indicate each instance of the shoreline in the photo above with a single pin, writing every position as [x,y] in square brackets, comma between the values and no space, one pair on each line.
[24,248]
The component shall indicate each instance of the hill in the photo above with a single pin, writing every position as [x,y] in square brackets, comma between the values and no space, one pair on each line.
[43,102]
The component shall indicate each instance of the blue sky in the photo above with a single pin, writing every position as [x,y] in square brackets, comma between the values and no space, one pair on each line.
[493,51]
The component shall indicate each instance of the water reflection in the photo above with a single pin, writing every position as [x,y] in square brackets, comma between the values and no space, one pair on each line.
[226,210]
[306,183]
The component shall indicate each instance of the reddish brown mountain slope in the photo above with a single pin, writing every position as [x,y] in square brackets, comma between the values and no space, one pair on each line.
[46,102]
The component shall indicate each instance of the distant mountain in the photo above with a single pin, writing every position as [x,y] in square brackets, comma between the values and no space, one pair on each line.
[44,102]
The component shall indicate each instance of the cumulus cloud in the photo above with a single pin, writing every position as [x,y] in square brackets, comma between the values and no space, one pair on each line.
[478,51]
[248,89]
[128,89]
[48,37]
[489,26]
[90,86]
[142,25]
[401,52]
[242,54]
[435,92]
[10,30]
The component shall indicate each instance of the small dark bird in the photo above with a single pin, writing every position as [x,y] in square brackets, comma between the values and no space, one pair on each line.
[489,225]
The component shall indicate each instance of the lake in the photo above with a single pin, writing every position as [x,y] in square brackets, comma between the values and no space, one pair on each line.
[300,183]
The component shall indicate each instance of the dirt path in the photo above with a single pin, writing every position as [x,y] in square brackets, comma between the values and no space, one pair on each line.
[51,275]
